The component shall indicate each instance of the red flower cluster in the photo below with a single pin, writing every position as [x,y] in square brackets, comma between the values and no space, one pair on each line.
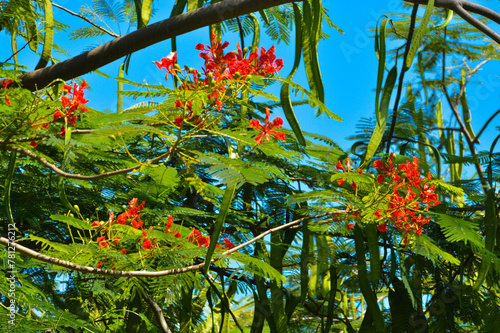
[220,70]
[267,129]
[237,65]
[174,230]
[133,214]
[5,85]
[71,104]
[410,192]
[340,167]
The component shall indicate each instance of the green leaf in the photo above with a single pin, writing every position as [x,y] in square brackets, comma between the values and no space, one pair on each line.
[74,222]
[380,52]
[146,7]
[48,34]
[221,218]
[401,307]
[313,100]
[163,176]
[353,177]
[458,230]
[428,248]
[313,15]
[490,221]
[256,30]
[286,102]
[227,199]
[379,130]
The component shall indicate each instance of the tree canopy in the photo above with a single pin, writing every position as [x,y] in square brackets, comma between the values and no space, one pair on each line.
[190,205]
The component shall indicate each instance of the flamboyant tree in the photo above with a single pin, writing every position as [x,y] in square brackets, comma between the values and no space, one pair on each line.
[196,210]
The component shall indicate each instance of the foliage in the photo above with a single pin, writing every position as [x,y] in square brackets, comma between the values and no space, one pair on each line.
[234,223]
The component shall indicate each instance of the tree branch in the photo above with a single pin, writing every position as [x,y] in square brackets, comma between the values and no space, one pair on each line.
[476,139]
[401,77]
[158,313]
[86,20]
[142,38]
[106,272]
[65,174]
[461,7]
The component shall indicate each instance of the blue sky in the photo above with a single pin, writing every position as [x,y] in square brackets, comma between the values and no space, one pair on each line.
[348,65]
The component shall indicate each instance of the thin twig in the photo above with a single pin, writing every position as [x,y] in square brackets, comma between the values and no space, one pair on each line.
[27,43]
[443,129]
[86,20]
[106,272]
[476,139]
[401,77]
[461,7]
[65,174]
[158,313]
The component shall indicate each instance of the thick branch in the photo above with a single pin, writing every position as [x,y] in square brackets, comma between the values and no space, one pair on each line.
[461,7]
[142,38]
[106,272]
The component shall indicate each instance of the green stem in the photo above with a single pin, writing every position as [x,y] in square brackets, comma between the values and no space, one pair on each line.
[8,182]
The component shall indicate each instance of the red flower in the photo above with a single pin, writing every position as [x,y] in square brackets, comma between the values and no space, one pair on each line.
[267,129]
[147,244]
[96,224]
[5,84]
[382,227]
[350,226]
[101,242]
[340,167]
[71,104]
[33,144]
[168,63]
[169,222]
[136,224]
[191,119]
[388,169]
[228,245]
[122,218]
[99,264]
